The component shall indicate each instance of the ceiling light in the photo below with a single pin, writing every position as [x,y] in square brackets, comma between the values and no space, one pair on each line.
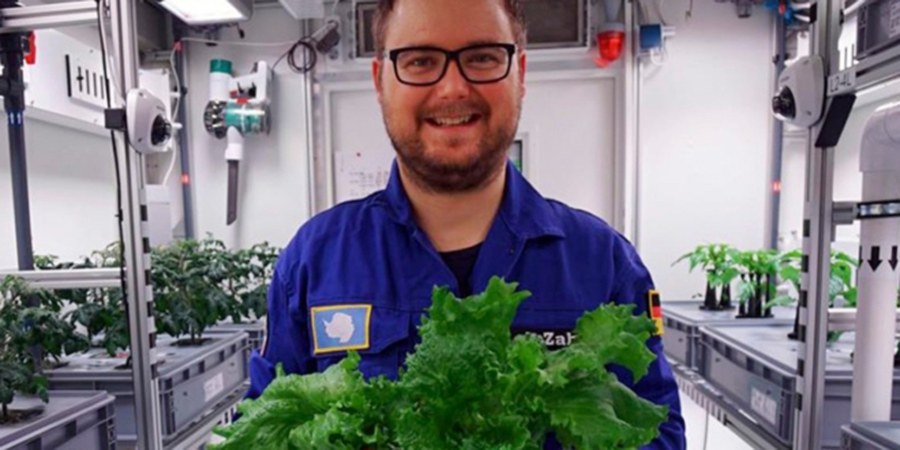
[209,12]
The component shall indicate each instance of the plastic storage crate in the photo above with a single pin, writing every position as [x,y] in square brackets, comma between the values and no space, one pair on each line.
[682,319]
[71,421]
[256,330]
[871,436]
[192,380]
[756,368]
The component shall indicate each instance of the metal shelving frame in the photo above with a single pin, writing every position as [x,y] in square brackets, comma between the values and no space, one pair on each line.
[16,19]
[821,215]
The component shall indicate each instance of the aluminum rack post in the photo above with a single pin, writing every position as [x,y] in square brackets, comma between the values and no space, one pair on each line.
[12,48]
[142,326]
[818,231]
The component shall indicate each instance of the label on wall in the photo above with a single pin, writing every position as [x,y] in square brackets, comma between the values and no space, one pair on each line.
[358,174]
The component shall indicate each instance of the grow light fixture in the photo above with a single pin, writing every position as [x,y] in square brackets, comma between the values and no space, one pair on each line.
[877,210]
[209,12]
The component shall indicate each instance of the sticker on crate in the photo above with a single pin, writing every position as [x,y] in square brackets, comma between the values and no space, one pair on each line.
[764,405]
[213,387]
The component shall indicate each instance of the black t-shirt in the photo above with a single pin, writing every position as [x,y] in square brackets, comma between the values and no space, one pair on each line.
[461,263]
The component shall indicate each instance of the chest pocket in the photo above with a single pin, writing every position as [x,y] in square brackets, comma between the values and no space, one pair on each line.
[379,334]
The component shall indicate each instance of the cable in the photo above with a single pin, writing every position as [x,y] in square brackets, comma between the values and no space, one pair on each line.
[175,112]
[176,48]
[290,54]
[239,44]
[292,57]
[115,149]
[102,27]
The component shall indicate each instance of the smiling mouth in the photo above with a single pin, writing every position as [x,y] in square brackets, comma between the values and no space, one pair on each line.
[453,121]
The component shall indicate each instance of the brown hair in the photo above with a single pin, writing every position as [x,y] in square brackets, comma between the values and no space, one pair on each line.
[513,10]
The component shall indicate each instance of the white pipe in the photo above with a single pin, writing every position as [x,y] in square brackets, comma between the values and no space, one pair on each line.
[219,86]
[612,10]
[873,364]
[235,149]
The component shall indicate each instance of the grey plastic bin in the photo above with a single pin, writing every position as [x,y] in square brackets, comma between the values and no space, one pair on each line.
[70,421]
[192,380]
[756,368]
[682,319]
[256,330]
[871,436]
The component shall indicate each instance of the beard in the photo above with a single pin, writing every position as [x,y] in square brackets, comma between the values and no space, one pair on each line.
[433,174]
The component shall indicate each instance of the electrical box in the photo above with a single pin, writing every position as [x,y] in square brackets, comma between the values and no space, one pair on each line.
[877,27]
[552,24]
[159,215]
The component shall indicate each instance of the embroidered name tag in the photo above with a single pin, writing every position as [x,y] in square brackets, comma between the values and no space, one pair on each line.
[553,339]
[340,328]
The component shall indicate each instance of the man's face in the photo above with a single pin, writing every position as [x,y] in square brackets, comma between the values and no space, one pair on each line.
[423,121]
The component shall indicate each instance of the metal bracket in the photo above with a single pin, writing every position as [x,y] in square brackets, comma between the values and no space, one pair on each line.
[844,213]
[844,319]
[69,279]
[28,18]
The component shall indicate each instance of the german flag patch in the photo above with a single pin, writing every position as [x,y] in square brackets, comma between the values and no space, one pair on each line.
[654,310]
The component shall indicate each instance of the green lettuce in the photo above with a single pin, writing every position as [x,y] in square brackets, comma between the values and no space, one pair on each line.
[468,385]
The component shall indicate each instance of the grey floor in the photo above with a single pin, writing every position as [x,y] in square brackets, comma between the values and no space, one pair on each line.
[707,435]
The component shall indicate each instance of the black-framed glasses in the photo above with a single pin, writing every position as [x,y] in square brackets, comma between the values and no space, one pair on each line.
[479,64]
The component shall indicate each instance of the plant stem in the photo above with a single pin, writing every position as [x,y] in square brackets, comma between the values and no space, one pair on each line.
[5,413]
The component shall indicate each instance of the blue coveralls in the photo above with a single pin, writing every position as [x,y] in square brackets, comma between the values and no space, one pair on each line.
[369,258]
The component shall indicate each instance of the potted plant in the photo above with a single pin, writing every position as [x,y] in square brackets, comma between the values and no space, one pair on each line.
[757,288]
[260,262]
[29,335]
[187,287]
[99,311]
[840,285]
[717,260]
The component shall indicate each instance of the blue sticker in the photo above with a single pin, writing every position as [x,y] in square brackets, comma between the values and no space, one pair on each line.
[341,327]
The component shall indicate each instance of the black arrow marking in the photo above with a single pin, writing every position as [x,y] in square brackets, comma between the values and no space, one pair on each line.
[893,259]
[875,260]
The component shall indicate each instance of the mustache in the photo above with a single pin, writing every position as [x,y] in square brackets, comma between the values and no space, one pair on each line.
[454,109]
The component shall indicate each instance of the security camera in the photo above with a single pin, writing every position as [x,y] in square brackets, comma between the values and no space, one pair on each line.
[800,97]
[149,128]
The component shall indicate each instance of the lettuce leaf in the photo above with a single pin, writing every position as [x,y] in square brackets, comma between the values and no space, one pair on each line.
[469,385]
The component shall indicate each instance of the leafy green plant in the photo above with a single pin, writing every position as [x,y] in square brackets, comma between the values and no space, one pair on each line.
[188,278]
[718,261]
[469,385]
[757,289]
[31,331]
[259,262]
[841,284]
[100,311]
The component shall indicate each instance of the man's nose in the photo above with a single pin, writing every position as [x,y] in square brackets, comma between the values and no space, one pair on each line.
[454,84]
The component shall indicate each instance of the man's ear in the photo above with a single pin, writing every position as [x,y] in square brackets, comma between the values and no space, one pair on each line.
[377,66]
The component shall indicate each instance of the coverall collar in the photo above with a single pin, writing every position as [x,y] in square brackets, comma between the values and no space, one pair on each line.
[526,213]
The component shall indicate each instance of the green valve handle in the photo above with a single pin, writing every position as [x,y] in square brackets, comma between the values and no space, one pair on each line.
[220,66]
